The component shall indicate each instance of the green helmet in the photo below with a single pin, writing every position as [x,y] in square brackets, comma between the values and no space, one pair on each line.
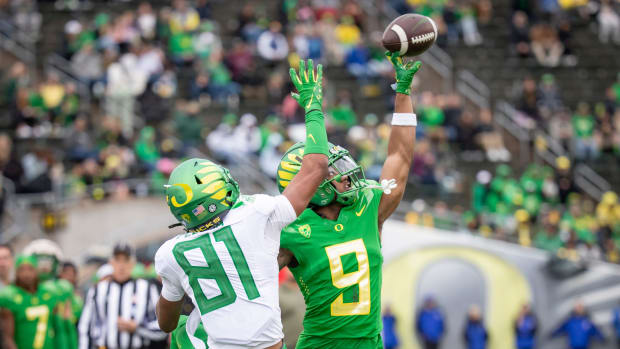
[200,193]
[340,163]
[48,256]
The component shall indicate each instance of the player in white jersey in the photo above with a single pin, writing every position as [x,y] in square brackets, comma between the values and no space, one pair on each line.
[226,262]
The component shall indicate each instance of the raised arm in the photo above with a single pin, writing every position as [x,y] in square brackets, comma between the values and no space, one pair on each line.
[402,137]
[314,164]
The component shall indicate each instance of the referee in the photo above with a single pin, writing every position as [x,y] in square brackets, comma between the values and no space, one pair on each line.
[119,313]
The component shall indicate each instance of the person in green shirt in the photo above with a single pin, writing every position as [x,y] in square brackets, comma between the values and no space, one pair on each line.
[333,248]
[584,125]
[548,239]
[27,309]
[146,149]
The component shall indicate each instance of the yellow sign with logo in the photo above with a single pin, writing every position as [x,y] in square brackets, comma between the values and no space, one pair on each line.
[401,277]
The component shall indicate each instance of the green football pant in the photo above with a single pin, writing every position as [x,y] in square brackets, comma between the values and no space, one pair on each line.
[313,342]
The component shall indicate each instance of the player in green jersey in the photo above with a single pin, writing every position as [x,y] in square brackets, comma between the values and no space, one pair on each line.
[49,257]
[27,309]
[334,247]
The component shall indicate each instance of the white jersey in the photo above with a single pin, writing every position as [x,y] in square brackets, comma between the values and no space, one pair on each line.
[231,274]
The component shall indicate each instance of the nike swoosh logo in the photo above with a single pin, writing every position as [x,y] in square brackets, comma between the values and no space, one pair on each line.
[361,211]
[311,136]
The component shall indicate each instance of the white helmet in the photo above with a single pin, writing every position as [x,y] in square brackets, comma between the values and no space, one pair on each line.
[44,247]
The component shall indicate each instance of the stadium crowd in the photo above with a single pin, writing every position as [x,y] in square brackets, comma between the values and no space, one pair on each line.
[156,75]
[588,131]
[161,84]
[153,74]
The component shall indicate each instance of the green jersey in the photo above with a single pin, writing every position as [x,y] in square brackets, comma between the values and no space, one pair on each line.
[339,271]
[32,314]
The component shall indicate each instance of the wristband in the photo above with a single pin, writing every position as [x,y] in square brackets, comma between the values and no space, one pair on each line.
[316,136]
[404,119]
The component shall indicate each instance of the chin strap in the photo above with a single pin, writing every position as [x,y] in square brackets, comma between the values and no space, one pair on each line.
[386,185]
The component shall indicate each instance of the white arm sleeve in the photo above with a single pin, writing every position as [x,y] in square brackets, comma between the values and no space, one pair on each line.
[172,290]
[282,215]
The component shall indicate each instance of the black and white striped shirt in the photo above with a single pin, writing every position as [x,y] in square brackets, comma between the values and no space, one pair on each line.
[106,301]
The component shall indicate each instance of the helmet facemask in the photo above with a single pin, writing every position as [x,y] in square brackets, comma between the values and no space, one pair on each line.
[341,165]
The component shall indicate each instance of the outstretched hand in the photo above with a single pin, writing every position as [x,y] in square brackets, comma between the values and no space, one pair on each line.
[404,72]
[308,85]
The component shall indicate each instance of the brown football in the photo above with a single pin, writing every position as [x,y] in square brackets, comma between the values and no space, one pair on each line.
[410,34]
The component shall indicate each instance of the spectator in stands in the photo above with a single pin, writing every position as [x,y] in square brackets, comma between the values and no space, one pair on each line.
[546,46]
[272,44]
[357,60]
[145,148]
[220,141]
[203,7]
[466,132]
[10,85]
[146,21]
[471,35]
[87,64]
[609,23]
[491,139]
[248,27]
[579,329]
[475,334]
[430,324]
[526,326]
[125,82]
[10,165]
[52,92]
[423,168]
[247,136]
[549,100]
[616,323]
[150,60]
[389,335]
[431,115]
[347,32]
[184,18]
[450,18]
[6,265]
[521,34]
[565,32]
[548,238]
[561,128]
[79,143]
[586,145]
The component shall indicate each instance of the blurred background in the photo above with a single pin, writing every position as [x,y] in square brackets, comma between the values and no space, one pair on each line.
[512,198]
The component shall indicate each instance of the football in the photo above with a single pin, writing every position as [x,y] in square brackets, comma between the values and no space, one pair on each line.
[410,34]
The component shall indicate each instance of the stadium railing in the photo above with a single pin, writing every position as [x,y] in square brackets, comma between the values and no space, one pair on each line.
[10,224]
[61,66]
[17,43]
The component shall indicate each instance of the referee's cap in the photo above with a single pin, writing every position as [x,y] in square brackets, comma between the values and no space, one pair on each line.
[122,248]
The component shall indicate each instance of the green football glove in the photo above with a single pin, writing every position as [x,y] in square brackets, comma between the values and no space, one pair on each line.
[308,85]
[404,72]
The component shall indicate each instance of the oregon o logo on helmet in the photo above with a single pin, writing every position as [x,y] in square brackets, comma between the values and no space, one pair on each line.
[188,195]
